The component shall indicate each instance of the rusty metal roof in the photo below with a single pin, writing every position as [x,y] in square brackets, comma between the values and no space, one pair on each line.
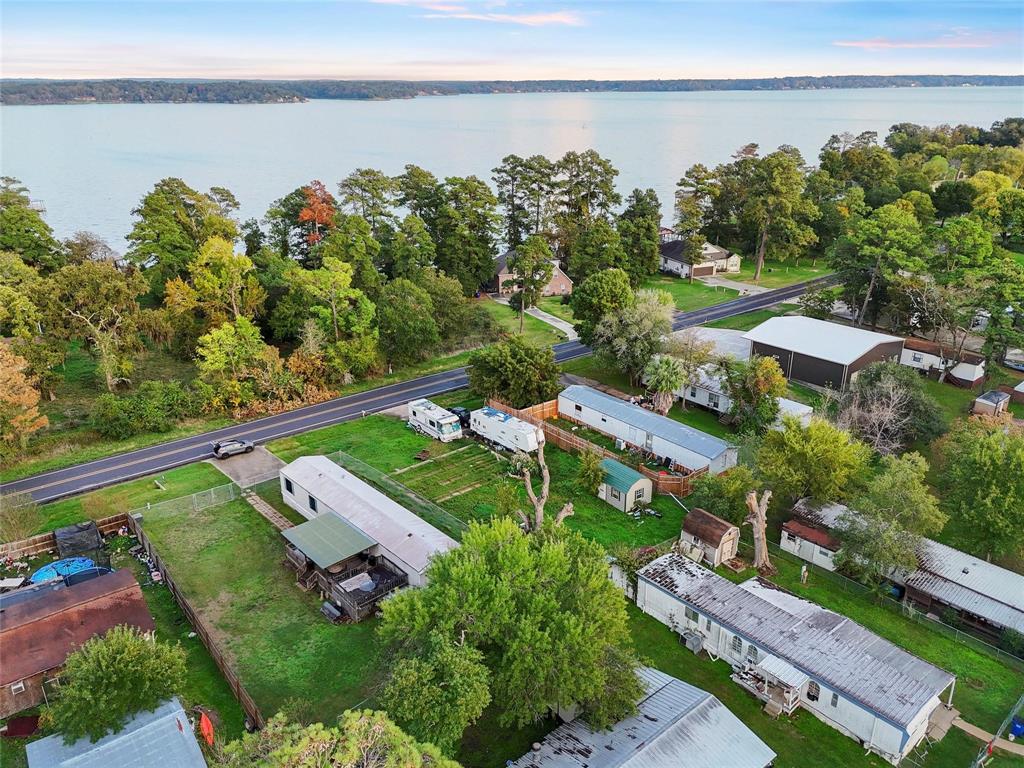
[826,646]
[38,635]
[676,725]
[812,533]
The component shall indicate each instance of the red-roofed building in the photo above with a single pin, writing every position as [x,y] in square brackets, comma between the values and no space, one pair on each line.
[38,633]
[810,542]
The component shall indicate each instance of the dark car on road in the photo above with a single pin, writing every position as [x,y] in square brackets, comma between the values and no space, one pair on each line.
[463,414]
[224,448]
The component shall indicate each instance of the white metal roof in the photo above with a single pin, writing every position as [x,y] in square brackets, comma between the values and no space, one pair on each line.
[511,422]
[954,577]
[782,670]
[375,515]
[827,647]
[970,583]
[433,409]
[789,407]
[818,338]
[668,429]
[676,726]
[162,738]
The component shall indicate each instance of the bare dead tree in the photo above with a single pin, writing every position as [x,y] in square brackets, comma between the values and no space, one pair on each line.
[881,420]
[757,519]
[539,501]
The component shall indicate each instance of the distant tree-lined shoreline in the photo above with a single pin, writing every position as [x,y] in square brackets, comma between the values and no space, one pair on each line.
[129,91]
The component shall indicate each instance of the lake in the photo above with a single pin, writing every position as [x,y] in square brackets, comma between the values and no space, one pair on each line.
[90,164]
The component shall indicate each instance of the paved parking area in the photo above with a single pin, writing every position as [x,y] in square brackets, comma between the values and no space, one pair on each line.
[246,467]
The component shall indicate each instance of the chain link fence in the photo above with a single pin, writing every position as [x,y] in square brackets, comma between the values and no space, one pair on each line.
[424,508]
[892,604]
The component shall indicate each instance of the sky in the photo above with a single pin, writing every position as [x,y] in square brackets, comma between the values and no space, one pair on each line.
[507,39]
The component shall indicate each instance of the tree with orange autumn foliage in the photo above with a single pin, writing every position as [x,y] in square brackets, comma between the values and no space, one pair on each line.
[19,399]
[319,210]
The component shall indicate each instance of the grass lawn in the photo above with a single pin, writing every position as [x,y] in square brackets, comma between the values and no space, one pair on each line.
[689,295]
[801,740]
[463,478]
[535,331]
[553,305]
[204,683]
[748,320]
[227,560]
[125,497]
[594,367]
[985,688]
[701,419]
[779,274]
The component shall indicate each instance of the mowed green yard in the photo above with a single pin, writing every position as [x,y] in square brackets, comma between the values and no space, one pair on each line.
[463,477]
[687,295]
[228,561]
[779,274]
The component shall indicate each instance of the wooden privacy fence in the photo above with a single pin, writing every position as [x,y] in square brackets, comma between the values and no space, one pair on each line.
[47,542]
[677,485]
[247,702]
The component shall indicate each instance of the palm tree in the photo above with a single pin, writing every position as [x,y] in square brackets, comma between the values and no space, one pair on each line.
[664,375]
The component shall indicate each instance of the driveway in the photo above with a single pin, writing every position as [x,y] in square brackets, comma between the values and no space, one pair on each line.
[728,343]
[745,289]
[546,317]
[246,467]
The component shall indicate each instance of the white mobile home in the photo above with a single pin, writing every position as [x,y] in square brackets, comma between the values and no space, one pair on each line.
[809,542]
[433,420]
[315,485]
[966,369]
[674,444]
[792,653]
[988,599]
[709,391]
[505,430]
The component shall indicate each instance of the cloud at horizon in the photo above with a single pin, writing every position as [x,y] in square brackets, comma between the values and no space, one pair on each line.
[507,39]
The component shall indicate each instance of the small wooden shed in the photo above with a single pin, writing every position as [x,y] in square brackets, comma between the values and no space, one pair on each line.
[623,487]
[717,538]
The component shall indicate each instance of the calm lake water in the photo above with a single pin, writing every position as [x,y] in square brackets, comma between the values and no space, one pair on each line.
[90,164]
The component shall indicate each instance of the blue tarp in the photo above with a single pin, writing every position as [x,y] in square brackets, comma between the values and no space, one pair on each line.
[61,568]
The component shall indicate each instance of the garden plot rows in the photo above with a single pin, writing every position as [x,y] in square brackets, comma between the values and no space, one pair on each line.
[453,474]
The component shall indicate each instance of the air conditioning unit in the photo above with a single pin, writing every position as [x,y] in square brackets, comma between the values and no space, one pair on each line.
[692,640]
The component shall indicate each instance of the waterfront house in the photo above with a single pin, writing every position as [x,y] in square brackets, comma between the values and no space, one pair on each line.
[504,282]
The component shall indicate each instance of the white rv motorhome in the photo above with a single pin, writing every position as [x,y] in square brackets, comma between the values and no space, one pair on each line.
[433,420]
[505,430]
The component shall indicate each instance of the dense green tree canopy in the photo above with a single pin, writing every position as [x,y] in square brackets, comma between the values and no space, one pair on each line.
[549,624]
[111,678]
[602,293]
[515,372]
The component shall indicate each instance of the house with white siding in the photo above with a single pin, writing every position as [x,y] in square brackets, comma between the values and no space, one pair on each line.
[791,653]
[986,598]
[370,526]
[672,443]
[966,368]
[708,390]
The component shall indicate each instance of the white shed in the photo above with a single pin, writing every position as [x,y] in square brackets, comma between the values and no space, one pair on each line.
[623,487]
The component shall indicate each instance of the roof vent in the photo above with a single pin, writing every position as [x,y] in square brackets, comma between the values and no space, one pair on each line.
[966,571]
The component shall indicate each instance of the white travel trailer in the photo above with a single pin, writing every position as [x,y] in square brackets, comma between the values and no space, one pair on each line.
[433,420]
[505,430]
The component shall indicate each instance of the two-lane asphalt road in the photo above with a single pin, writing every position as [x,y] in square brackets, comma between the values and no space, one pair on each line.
[125,466]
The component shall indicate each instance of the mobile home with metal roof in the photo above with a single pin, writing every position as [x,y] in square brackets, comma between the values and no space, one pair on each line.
[791,653]
[671,442]
[676,725]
